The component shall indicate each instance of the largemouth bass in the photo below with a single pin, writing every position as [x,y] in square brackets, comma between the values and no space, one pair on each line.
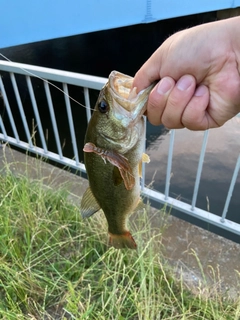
[113,156]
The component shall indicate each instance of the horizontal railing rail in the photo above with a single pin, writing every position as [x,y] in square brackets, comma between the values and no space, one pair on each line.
[87,82]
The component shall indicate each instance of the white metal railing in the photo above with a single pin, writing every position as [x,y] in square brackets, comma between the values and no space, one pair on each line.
[66,78]
[92,82]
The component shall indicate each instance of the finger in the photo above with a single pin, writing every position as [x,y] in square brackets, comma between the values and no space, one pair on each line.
[195,115]
[145,77]
[177,101]
[157,100]
[149,72]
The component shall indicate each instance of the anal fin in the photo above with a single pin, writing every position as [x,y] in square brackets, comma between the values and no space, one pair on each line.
[89,204]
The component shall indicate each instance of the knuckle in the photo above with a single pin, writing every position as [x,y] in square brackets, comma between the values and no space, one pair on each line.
[171,119]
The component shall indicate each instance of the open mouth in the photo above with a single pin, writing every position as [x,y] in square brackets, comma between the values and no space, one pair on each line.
[121,86]
[126,96]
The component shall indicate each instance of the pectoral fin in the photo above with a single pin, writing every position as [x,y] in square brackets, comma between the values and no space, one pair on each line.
[89,204]
[128,179]
[117,178]
[145,159]
[120,175]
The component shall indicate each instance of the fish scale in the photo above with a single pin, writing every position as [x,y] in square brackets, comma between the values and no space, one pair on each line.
[113,156]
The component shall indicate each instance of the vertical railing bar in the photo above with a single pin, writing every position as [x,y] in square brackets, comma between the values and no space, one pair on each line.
[230,191]
[53,118]
[5,99]
[3,128]
[87,103]
[222,220]
[20,107]
[144,150]
[199,169]
[70,121]
[169,164]
[35,109]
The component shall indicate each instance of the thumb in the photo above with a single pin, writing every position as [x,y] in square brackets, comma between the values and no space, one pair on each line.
[148,73]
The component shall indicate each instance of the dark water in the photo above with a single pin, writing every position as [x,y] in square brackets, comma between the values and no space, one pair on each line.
[126,49]
[220,159]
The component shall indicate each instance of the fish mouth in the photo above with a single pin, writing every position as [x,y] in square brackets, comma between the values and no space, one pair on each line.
[126,101]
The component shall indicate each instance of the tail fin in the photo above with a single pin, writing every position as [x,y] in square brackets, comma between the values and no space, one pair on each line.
[120,241]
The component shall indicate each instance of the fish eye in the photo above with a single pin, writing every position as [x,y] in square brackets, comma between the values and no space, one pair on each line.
[103,106]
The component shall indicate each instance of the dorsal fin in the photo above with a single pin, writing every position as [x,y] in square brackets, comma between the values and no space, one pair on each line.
[89,204]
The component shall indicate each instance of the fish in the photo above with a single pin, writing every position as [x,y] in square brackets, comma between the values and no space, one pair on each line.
[113,156]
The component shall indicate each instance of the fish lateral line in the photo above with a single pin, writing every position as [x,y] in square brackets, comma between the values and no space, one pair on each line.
[116,160]
[50,83]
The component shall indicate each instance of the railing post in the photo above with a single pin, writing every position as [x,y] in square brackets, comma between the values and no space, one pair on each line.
[230,191]
[87,103]
[169,164]
[70,122]
[199,170]
[9,112]
[35,109]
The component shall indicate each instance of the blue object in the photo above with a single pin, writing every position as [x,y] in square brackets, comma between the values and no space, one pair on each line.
[26,21]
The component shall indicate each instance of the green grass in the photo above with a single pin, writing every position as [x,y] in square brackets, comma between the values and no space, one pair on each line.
[54,265]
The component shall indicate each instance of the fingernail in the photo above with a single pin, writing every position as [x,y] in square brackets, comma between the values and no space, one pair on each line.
[201,91]
[164,86]
[184,83]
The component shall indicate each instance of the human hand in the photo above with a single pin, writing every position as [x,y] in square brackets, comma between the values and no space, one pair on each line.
[199,73]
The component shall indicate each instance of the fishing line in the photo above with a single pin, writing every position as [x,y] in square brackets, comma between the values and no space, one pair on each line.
[53,85]
[50,83]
